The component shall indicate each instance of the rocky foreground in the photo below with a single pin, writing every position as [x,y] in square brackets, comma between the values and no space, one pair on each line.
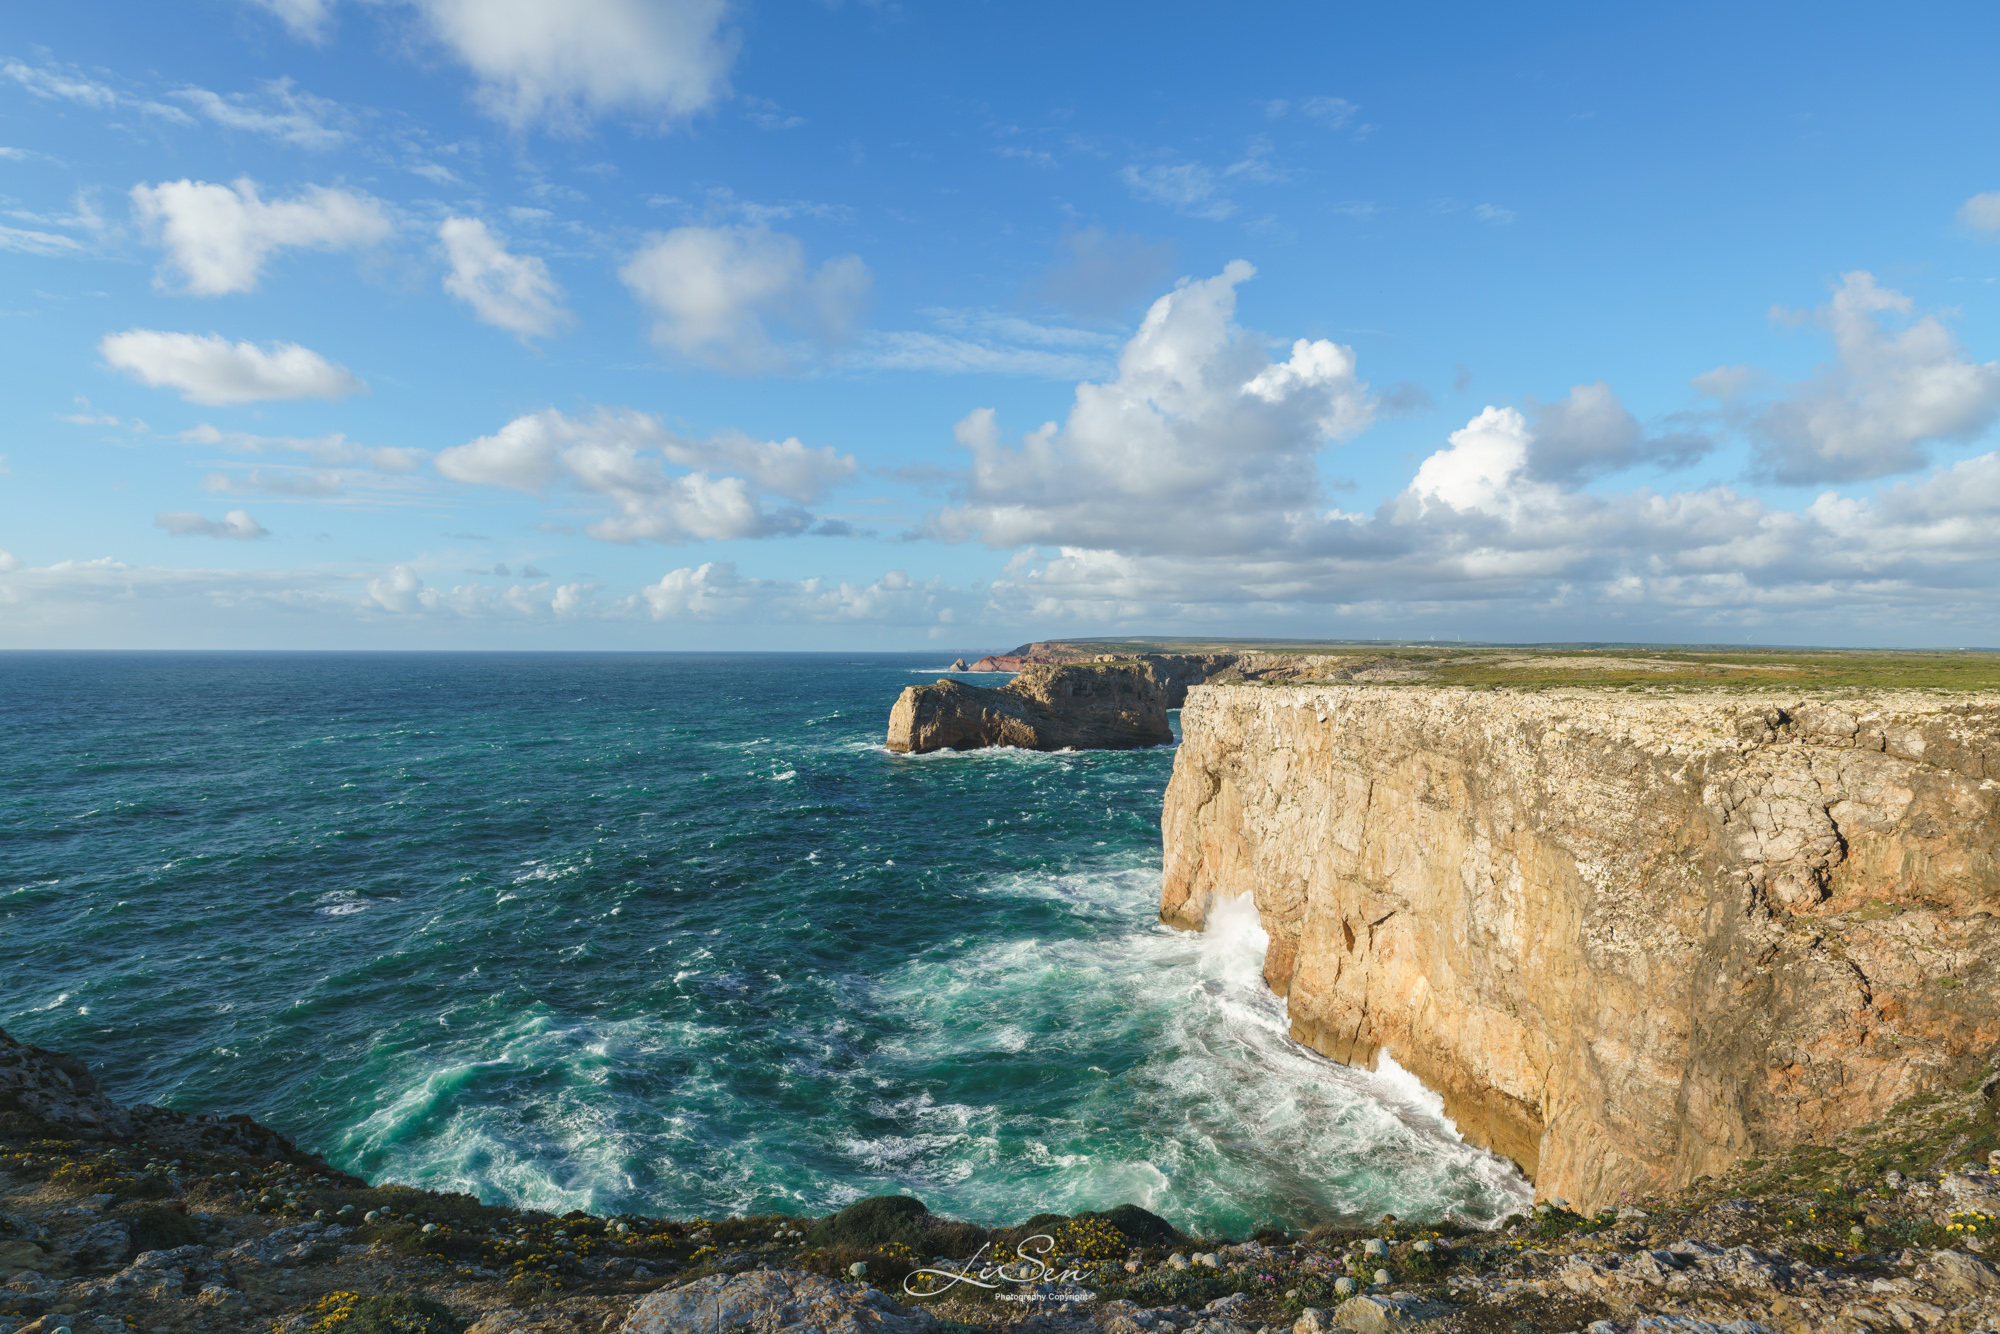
[120,1219]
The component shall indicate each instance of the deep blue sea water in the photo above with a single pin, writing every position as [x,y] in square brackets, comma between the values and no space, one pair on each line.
[670,933]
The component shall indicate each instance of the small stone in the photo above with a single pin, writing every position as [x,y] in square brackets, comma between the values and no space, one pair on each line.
[1381,1278]
[858,1268]
[371,1217]
[1177,1261]
[1343,1287]
[1208,1260]
[1374,1246]
[1422,1247]
[1133,1266]
[430,1227]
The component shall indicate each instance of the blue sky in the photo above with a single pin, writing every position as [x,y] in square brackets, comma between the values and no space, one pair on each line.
[638,323]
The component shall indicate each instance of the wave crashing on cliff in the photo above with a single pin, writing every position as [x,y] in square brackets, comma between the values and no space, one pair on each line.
[669,935]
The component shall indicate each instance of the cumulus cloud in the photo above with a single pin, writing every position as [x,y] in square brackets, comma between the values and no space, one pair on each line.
[210,369]
[563,63]
[715,591]
[507,291]
[1982,212]
[282,112]
[1590,433]
[219,236]
[237,524]
[1201,441]
[1874,410]
[715,291]
[1186,489]
[623,456]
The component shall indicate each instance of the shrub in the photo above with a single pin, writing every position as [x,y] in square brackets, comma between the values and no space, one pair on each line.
[875,1221]
[397,1313]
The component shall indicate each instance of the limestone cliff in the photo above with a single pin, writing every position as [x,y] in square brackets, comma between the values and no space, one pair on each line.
[1114,706]
[1632,938]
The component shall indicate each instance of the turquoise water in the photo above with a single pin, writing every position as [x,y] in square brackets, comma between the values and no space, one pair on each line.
[665,933]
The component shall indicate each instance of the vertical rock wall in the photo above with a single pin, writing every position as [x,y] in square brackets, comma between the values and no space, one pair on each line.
[1630,938]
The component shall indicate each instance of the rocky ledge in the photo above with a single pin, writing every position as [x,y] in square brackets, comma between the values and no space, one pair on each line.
[105,1232]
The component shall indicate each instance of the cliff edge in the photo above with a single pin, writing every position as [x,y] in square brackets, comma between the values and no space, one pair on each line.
[1631,938]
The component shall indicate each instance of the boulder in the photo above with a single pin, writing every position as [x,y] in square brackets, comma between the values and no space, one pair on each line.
[1388,1315]
[770,1300]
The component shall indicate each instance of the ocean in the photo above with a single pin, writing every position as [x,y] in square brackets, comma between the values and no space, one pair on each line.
[662,933]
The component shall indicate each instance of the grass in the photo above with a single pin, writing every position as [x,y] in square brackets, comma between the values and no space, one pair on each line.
[1628,667]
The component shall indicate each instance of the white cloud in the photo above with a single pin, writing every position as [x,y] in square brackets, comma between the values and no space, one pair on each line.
[1186,187]
[768,115]
[1187,490]
[511,292]
[37,243]
[283,113]
[1872,411]
[219,236]
[623,456]
[1589,433]
[564,63]
[716,592]
[1333,112]
[1493,213]
[237,524]
[212,370]
[308,20]
[52,84]
[1201,442]
[715,290]
[330,450]
[986,341]
[1982,212]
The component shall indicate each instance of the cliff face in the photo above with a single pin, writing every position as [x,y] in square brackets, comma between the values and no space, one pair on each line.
[1116,706]
[1631,938]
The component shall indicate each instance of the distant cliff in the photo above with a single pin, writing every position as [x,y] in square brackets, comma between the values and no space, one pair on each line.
[1631,938]
[1116,706]
[1103,704]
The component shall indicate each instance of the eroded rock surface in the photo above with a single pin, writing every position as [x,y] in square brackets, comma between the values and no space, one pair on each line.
[53,1091]
[771,1300]
[1631,938]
